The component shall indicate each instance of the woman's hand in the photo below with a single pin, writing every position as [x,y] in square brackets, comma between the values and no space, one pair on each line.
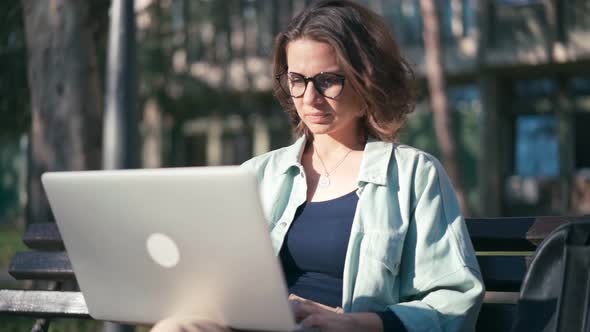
[304,307]
[326,318]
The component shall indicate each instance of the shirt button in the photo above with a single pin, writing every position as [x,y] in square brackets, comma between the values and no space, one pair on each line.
[283,224]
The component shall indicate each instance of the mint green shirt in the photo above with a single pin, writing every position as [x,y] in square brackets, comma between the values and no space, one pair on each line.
[409,250]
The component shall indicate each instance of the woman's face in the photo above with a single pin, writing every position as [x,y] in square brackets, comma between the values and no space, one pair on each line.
[337,117]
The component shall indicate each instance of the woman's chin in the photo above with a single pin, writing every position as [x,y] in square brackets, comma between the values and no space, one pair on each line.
[319,129]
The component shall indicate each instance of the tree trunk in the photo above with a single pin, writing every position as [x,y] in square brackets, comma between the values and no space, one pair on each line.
[66,94]
[438,97]
[120,118]
[152,137]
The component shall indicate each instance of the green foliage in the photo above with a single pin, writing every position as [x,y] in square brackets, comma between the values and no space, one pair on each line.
[16,324]
[11,165]
[14,103]
[74,325]
[19,324]
[10,243]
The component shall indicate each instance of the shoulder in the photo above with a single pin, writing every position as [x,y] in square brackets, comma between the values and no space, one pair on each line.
[418,167]
[415,159]
[268,159]
[276,161]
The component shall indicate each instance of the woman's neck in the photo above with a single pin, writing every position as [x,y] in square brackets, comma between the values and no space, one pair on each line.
[328,146]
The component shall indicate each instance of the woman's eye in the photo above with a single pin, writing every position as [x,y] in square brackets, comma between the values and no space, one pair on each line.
[327,82]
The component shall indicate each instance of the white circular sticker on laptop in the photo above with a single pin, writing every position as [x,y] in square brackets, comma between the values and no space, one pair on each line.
[163,250]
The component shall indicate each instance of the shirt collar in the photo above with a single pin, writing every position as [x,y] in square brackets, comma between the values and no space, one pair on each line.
[291,156]
[375,163]
[374,166]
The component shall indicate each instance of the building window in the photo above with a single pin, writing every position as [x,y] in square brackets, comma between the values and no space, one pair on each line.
[537,146]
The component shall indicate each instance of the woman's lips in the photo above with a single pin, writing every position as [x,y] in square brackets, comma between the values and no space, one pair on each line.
[317,117]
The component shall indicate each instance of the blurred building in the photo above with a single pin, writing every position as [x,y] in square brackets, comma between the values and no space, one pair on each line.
[518,74]
[524,66]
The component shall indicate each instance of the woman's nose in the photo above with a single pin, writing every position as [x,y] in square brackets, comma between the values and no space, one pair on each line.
[311,95]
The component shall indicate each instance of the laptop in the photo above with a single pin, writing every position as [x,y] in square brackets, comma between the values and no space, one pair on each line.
[149,244]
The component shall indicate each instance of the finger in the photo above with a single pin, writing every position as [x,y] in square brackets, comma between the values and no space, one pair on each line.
[297,299]
[310,307]
[304,309]
[312,321]
[297,311]
[337,310]
[329,323]
[296,303]
[188,324]
[314,307]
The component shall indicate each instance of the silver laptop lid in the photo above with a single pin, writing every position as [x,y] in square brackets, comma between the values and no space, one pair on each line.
[149,244]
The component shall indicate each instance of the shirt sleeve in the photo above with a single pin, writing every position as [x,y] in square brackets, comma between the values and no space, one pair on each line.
[441,287]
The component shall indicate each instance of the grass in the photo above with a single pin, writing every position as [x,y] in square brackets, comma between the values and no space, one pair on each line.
[14,324]
[10,242]
[17,324]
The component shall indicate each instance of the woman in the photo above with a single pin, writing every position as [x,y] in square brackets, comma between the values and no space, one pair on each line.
[369,232]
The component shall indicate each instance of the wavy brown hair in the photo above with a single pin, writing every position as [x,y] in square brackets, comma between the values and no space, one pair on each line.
[369,56]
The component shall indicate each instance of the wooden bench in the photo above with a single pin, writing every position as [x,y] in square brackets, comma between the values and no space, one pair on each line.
[504,246]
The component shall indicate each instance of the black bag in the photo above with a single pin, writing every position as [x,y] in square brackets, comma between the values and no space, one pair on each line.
[555,294]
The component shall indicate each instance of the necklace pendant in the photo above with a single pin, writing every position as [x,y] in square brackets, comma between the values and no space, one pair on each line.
[324,182]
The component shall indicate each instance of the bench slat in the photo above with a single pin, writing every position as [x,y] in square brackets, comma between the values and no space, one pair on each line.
[501,297]
[40,265]
[503,273]
[43,303]
[487,234]
[43,236]
[513,234]
[493,317]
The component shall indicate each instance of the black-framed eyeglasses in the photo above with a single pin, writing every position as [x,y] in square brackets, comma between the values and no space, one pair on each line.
[329,85]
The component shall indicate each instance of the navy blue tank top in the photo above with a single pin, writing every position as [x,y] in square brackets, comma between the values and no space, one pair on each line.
[314,251]
[315,248]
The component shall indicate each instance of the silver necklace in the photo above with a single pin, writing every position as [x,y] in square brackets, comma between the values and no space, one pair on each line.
[324,181]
